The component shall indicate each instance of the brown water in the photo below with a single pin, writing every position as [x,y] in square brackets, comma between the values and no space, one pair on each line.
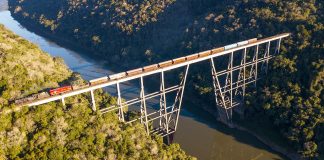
[198,133]
[211,140]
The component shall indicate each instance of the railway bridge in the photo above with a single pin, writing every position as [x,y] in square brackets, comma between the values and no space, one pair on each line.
[245,63]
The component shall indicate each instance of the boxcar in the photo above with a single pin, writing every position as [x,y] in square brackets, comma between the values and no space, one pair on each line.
[252,40]
[26,99]
[179,60]
[242,43]
[204,54]
[192,57]
[31,98]
[217,50]
[165,63]
[117,76]
[19,101]
[134,71]
[60,90]
[231,46]
[150,68]
[75,87]
[42,95]
[98,80]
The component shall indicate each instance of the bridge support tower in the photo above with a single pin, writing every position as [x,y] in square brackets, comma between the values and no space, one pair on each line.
[230,83]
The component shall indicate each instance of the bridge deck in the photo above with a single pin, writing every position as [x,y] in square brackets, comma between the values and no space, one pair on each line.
[204,56]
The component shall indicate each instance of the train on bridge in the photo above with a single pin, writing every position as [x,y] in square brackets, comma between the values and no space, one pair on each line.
[68,88]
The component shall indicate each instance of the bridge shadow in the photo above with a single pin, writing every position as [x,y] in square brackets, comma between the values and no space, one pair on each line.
[193,110]
[202,117]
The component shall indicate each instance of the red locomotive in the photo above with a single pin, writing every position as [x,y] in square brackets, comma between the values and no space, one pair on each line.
[117,76]
[60,90]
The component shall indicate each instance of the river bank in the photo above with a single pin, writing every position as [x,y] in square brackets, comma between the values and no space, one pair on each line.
[33,29]
[290,154]
[66,43]
[237,124]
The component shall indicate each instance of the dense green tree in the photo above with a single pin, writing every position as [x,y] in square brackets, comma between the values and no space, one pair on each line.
[291,96]
[53,131]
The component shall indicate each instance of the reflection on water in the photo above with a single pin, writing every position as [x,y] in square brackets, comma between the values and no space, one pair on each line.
[198,134]
[214,141]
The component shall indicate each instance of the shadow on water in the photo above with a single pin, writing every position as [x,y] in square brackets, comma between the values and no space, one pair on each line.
[94,67]
[203,117]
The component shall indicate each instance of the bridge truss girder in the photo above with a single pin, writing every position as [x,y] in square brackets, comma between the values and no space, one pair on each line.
[162,121]
[230,83]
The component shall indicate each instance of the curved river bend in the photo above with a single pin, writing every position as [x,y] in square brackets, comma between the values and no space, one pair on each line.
[198,133]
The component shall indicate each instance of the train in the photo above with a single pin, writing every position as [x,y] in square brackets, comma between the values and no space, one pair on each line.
[32,98]
[68,88]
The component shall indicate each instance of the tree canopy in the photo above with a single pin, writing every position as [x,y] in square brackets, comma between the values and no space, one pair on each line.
[54,131]
[291,96]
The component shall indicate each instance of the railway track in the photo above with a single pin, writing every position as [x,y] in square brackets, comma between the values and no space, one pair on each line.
[108,80]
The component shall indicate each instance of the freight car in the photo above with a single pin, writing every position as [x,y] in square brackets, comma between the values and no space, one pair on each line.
[75,87]
[134,71]
[150,68]
[153,67]
[192,57]
[217,50]
[242,43]
[178,60]
[204,54]
[165,64]
[231,46]
[52,92]
[32,97]
[117,76]
[252,40]
[98,80]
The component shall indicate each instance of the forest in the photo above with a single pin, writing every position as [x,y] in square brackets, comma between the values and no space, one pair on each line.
[54,131]
[291,97]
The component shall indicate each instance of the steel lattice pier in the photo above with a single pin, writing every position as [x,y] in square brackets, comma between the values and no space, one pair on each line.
[241,64]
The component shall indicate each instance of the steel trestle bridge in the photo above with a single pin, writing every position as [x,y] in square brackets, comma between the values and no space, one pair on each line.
[244,63]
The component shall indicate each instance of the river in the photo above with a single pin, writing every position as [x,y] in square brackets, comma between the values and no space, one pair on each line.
[198,132]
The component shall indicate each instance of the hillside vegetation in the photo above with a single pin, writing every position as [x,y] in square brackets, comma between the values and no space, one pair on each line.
[53,131]
[291,96]
[33,71]
[95,24]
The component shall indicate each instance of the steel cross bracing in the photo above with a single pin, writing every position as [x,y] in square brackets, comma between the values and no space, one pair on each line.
[165,116]
[246,63]
[231,92]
